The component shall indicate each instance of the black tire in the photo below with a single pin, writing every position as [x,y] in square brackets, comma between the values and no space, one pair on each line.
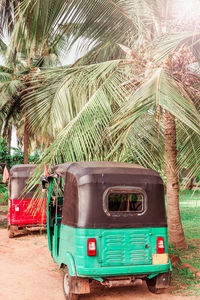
[11,234]
[151,284]
[11,231]
[67,286]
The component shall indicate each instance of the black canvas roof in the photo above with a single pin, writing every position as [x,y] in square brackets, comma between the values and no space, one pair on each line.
[85,189]
[19,174]
[21,170]
[80,169]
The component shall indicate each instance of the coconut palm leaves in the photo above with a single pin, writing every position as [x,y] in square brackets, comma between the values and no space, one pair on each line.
[189,150]
[147,76]
[65,92]
[73,97]
[118,109]
[147,104]
[159,91]
[103,105]
[10,88]
[83,101]
[42,23]
[7,14]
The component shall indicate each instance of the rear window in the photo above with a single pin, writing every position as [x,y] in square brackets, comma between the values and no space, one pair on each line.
[124,201]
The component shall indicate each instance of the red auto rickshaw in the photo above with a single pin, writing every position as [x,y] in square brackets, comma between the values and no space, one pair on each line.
[24,214]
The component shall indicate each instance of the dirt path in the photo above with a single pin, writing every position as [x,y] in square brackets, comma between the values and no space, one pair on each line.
[27,272]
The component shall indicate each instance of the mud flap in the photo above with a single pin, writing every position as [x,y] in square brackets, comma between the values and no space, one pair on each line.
[80,285]
[163,280]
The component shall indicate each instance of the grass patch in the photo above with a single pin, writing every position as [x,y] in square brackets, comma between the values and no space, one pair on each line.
[3,195]
[183,281]
[189,195]
[4,209]
[190,217]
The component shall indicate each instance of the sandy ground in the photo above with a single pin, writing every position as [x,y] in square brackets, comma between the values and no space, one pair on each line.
[28,272]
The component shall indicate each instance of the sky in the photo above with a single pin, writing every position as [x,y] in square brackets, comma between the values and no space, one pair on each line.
[1,60]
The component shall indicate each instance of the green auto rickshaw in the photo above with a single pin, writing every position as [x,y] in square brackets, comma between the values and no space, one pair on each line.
[106,221]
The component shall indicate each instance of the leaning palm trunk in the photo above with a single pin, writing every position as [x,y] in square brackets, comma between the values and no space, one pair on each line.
[176,233]
[26,140]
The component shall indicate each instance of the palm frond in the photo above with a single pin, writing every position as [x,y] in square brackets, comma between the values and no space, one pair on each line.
[160,90]
[164,45]
[7,15]
[42,23]
[188,143]
[60,98]
[140,118]
[5,77]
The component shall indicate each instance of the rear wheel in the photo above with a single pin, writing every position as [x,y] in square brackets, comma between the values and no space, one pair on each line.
[151,284]
[11,234]
[11,231]
[67,287]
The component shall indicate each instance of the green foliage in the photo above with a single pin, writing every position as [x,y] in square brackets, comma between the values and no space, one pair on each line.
[16,158]
[10,160]
[44,23]
[105,92]
[5,157]
[3,192]
[183,281]
[188,196]
[190,217]
[34,157]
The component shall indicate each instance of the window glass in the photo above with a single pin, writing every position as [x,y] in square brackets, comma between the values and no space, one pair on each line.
[123,201]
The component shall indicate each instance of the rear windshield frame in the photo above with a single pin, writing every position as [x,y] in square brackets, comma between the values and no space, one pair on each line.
[121,190]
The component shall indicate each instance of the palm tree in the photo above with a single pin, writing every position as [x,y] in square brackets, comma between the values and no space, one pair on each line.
[14,83]
[24,58]
[140,104]
[10,104]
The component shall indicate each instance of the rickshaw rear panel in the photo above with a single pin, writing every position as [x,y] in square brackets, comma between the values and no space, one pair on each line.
[22,215]
[24,211]
[124,254]
[111,224]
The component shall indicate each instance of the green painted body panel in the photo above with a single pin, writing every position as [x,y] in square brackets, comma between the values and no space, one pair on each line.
[119,251]
[48,218]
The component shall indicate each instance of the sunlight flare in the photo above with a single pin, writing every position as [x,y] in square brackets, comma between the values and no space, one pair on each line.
[187,9]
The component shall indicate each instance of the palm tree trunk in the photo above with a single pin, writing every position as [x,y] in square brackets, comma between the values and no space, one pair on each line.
[26,121]
[26,140]
[176,233]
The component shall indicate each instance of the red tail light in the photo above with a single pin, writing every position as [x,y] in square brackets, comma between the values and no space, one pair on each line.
[160,245]
[91,247]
